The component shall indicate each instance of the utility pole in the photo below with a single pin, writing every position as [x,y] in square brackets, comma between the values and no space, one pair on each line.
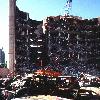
[12,9]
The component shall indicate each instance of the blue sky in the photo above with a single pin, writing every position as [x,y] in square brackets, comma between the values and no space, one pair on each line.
[4,23]
[39,9]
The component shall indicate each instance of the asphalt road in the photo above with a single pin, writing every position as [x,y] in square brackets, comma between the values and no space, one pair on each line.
[42,97]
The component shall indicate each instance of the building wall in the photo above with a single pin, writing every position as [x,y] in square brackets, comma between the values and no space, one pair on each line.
[21,39]
[4,72]
[73,41]
[29,42]
[58,40]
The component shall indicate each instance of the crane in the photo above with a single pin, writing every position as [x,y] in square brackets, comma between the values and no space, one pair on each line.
[68,6]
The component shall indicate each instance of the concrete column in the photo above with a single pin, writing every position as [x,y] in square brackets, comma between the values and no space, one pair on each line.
[12,7]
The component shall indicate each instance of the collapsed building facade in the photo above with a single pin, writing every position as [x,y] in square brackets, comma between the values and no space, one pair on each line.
[57,40]
[73,41]
[30,49]
[65,40]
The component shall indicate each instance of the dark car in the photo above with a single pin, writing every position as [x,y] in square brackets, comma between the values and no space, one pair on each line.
[87,95]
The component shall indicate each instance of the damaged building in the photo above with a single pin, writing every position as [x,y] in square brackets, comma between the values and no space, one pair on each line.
[58,40]
[73,41]
[30,47]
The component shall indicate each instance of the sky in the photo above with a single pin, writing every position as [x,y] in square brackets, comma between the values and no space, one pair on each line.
[40,9]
